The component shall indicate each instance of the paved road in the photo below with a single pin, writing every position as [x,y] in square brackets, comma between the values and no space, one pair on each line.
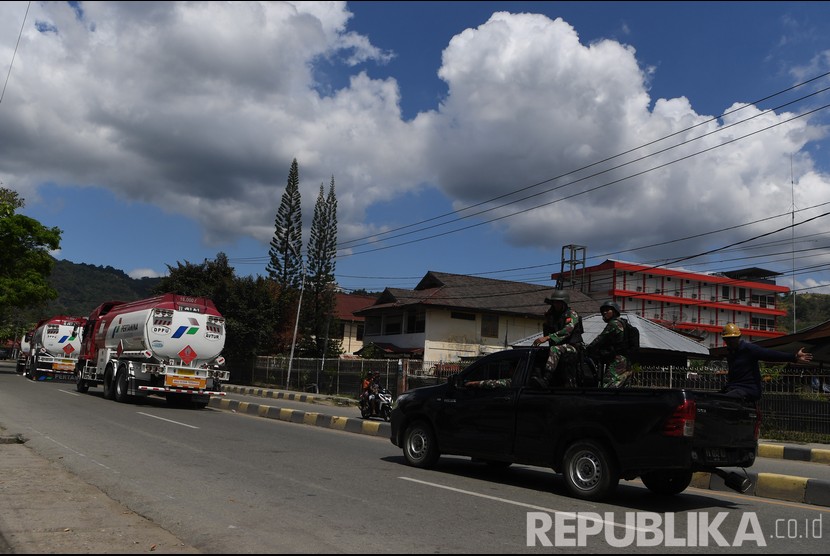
[93,523]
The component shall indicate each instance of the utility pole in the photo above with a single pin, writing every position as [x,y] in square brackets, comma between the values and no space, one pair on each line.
[296,322]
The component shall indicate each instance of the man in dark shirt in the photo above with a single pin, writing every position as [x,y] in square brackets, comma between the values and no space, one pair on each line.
[742,357]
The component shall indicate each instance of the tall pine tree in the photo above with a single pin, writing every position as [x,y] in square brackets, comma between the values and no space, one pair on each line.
[285,268]
[319,317]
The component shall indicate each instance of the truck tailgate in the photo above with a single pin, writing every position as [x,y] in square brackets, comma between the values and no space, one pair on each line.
[725,431]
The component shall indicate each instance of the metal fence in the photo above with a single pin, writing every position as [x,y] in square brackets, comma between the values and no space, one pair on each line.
[794,401]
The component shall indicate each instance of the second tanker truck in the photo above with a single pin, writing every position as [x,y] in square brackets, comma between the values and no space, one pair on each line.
[53,348]
[168,345]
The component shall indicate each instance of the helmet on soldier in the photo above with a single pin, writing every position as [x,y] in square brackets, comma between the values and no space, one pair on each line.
[558,295]
[610,305]
[731,330]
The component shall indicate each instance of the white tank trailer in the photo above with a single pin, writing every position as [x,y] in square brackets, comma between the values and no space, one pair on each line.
[168,345]
[23,353]
[54,348]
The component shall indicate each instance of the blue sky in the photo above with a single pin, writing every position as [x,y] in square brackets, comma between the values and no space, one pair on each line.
[465,137]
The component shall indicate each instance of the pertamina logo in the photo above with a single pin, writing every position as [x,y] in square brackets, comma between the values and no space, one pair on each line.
[189,330]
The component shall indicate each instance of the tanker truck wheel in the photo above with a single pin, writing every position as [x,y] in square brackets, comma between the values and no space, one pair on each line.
[121,394]
[109,382]
[81,385]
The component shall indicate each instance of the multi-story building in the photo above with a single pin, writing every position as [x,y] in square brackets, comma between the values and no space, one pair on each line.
[697,304]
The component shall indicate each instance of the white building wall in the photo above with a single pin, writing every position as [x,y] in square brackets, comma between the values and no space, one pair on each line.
[448,339]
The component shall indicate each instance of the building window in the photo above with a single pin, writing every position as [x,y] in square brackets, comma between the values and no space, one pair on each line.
[359,336]
[760,323]
[724,292]
[763,300]
[341,330]
[489,326]
[415,322]
[373,326]
[393,324]
[462,316]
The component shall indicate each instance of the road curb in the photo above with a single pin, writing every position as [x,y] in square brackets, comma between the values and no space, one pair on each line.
[797,453]
[347,424]
[772,485]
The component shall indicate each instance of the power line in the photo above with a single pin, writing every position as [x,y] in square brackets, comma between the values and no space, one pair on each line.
[17,44]
[713,119]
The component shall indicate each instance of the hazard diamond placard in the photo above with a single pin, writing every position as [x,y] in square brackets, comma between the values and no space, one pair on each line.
[187,355]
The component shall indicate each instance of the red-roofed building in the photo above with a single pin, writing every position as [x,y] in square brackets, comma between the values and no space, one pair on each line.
[350,331]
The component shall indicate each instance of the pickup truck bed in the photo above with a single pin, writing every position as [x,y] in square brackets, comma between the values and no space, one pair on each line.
[593,436]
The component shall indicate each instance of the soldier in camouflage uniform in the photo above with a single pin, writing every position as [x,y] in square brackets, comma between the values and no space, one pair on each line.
[609,348]
[563,330]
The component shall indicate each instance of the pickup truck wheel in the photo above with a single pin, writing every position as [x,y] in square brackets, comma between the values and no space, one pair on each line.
[419,446]
[667,483]
[590,473]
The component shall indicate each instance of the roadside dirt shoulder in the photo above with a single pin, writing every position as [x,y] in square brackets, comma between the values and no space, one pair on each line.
[47,510]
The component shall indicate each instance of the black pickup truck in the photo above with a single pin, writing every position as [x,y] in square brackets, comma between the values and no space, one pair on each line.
[493,413]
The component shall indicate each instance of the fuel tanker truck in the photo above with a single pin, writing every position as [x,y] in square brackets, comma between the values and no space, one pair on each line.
[54,347]
[168,346]
[23,353]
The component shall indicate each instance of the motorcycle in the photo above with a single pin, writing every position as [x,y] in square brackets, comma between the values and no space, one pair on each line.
[384,404]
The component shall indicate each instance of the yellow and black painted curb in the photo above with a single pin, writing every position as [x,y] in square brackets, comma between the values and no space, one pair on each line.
[773,485]
[347,424]
[797,453]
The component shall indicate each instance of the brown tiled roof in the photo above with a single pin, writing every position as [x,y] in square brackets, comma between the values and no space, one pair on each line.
[347,304]
[472,293]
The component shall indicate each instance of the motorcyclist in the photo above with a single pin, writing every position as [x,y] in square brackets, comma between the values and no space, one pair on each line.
[365,387]
[372,392]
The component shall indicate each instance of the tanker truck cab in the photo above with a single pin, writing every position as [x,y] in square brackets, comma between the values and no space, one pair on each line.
[168,345]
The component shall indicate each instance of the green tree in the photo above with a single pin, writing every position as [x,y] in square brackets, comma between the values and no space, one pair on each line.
[285,268]
[320,300]
[250,325]
[25,262]
[211,279]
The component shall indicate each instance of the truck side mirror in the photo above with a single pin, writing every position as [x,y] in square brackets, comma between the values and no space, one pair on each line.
[451,380]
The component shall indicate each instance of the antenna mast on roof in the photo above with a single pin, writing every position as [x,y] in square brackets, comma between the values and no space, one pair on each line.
[575,261]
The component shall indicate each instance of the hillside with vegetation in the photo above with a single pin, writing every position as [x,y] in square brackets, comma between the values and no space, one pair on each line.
[82,287]
[810,309]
